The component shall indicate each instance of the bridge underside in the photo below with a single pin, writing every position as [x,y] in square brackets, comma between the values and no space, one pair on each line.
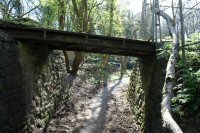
[62,40]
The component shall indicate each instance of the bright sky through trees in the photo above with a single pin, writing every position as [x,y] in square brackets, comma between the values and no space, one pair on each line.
[134,5]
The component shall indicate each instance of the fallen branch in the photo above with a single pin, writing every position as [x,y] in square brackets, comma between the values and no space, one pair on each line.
[168,122]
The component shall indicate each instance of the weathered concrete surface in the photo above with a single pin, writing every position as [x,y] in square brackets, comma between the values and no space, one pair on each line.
[12,93]
[32,79]
[63,40]
[145,93]
[152,76]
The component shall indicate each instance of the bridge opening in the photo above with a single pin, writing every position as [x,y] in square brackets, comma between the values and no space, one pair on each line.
[98,102]
[39,77]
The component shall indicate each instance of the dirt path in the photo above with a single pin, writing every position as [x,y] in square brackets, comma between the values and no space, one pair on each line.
[106,112]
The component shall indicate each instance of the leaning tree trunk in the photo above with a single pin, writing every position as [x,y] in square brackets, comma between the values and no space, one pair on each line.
[168,122]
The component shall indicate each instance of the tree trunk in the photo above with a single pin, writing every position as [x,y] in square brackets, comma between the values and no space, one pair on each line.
[81,14]
[124,61]
[182,32]
[106,60]
[76,63]
[106,57]
[61,20]
[66,61]
[168,122]
[143,29]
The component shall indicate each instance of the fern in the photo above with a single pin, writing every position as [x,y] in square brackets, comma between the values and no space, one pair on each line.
[187,99]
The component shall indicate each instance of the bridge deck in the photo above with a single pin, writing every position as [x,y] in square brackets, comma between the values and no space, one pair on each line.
[62,40]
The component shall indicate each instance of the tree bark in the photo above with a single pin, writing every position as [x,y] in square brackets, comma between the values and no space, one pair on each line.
[143,29]
[107,57]
[66,61]
[168,122]
[76,63]
[80,12]
[124,61]
[182,31]
[61,20]
[106,60]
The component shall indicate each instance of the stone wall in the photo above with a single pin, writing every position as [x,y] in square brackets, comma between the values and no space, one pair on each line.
[145,93]
[32,85]
[136,96]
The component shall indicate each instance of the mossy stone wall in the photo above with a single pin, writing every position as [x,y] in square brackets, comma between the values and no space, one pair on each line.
[136,96]
[33,84]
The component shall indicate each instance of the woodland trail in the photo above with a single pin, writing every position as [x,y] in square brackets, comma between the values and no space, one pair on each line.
[98,109]
[106,112]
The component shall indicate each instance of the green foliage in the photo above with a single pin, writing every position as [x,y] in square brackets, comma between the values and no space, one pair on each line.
[103,16]
[192,58]
[187,99]
[195,37]
[165,51]
[48,11]
[187,90]
[100,76]
[187,95]
[192,54]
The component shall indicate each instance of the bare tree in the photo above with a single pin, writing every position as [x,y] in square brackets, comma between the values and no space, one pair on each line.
[182,32]
[169,122]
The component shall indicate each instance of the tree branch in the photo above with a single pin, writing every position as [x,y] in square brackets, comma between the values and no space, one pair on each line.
[94,5]
[29,11]
[76,10]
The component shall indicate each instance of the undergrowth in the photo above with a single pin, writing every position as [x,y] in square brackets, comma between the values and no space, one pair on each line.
[186,100]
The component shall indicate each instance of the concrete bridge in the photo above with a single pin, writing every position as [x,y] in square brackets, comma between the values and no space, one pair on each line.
[72,41]
[33,83]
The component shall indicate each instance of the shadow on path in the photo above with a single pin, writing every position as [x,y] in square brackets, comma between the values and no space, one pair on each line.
[98,109]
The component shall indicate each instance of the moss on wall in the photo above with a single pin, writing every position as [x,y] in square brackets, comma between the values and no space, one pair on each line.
[33,85]
[46,84]
[136,96]
[145,94]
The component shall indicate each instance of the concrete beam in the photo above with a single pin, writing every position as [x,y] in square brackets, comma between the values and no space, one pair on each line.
[62,40]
